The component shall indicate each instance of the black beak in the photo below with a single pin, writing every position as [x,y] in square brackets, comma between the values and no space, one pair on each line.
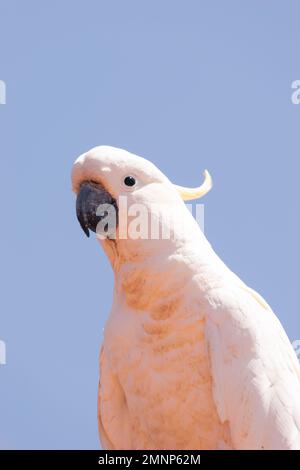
[90,196]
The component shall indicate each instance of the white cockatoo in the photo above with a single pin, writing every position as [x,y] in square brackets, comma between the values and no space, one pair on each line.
[192,358]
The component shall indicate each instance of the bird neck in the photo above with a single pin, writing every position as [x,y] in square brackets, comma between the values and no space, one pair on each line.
[154,279]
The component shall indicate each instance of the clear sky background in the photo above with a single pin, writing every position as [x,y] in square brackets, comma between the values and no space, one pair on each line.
[187,84]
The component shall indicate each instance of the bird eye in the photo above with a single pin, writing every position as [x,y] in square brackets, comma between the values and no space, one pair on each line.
[129,181]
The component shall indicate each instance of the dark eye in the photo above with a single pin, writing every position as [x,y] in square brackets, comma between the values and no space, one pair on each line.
[129,181]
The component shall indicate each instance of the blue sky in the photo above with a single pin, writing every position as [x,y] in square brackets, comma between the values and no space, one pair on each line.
[189,85]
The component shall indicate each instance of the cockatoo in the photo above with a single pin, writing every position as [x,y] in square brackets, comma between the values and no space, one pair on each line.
[192,358]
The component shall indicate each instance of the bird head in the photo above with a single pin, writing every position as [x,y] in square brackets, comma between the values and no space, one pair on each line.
[107,180]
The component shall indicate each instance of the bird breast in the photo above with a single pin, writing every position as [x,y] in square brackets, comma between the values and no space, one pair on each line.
[157,350]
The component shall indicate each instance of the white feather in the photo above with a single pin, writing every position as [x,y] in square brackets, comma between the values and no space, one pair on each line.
[192,358]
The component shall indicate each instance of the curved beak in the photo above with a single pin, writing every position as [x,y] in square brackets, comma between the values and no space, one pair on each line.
[90,197]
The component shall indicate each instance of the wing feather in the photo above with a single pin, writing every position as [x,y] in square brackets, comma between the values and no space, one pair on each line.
[113,417]
[255,371]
